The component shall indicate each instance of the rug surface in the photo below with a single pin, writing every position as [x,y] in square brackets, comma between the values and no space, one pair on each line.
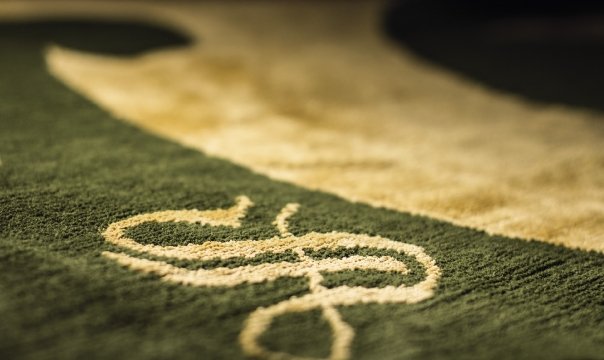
[241,180]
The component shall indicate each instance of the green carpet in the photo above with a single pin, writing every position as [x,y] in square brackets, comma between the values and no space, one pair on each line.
[69,170]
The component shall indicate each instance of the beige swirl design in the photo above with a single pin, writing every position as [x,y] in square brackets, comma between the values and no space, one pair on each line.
[320,297]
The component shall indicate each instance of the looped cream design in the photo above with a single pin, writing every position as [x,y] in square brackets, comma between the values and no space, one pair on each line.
[320,297]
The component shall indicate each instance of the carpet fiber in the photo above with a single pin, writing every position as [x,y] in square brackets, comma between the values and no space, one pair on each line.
[69,170]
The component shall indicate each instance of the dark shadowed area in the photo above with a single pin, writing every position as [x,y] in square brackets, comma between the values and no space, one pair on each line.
[548,51]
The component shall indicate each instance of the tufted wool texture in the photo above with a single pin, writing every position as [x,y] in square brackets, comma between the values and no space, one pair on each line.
[69,170]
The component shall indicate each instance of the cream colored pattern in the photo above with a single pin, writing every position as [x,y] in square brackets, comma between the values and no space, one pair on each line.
[311,93]
[320,297]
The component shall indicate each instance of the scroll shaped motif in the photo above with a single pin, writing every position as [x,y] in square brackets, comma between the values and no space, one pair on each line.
[319,297]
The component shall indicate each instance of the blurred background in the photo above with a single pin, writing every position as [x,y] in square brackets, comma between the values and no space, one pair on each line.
[550,51]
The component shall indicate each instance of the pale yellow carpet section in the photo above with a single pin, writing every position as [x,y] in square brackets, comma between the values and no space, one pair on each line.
[311,93]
